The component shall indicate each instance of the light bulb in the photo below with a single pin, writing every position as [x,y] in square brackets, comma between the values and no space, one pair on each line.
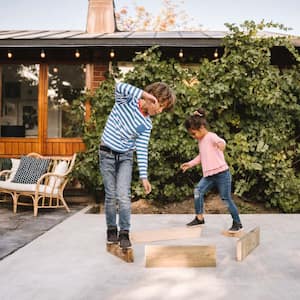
[216,54]
[9,54]
[112,53]
[43,54]
[180,54]
[77,53]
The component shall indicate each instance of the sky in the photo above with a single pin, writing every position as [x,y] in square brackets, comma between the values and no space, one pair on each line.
[72,14]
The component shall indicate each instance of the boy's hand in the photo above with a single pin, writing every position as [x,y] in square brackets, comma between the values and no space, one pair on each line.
[184,167]
[147,186]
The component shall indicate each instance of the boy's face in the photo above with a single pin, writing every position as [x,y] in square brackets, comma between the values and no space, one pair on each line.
[155,108]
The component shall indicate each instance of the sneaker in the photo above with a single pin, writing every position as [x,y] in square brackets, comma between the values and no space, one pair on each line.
[195,222]
[112,235]
[236,227]
[124,239]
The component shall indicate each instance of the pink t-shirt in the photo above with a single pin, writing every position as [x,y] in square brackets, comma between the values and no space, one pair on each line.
[210,156]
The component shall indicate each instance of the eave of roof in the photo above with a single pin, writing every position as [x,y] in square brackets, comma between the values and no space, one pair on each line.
[15,38]
[67,38]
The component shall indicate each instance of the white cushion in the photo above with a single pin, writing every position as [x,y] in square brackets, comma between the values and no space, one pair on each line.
[15,165]
[26,187]
[60,169]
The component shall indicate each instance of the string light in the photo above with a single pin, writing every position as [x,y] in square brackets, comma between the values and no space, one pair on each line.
[43,54]
[55,69]
[112,53]
[9,54]
[77,53]
[216,54]
[180,54]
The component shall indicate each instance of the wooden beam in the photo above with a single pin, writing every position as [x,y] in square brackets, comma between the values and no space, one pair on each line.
[234,234]
[124,254]
[173,233]
[246,244]
[157,256]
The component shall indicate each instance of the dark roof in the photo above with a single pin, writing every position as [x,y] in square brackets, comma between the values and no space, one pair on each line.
[22,38]
[67,38]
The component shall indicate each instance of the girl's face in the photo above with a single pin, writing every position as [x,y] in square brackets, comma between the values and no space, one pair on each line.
[198,134]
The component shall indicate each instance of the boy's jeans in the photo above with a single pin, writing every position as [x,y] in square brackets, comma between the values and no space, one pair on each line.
[116,173]
[222,181]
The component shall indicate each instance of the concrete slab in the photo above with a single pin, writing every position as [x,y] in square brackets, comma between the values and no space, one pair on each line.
[17,230]
[70,262]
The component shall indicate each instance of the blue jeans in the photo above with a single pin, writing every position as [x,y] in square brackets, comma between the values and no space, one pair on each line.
[116,173]
[222,181]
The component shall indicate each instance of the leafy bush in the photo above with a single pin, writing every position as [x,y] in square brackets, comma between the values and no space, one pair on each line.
[253,104]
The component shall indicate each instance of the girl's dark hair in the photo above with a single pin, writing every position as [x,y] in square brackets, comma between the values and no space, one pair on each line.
[196,120]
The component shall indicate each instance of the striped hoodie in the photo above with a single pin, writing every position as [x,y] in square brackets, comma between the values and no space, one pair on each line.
[126,128]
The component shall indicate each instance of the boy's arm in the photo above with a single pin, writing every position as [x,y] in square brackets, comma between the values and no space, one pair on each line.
[125,92]
[142,142]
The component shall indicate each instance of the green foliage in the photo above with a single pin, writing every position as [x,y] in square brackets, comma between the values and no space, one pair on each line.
[253,104]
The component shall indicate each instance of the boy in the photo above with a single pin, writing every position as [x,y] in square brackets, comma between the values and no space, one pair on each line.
[128,128]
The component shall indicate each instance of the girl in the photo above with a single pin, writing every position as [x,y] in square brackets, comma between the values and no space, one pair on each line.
[214,167]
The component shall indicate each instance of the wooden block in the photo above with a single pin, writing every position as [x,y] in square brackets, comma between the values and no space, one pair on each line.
[165,234]
[247,243]
[157,256]
[124,254]
[236,234]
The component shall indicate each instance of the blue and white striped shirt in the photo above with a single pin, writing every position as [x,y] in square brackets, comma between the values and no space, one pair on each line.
[126,128]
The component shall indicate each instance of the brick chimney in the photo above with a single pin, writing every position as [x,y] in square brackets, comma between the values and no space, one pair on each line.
[101,18]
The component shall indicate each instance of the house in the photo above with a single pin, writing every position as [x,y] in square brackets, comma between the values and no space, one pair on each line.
[42,72]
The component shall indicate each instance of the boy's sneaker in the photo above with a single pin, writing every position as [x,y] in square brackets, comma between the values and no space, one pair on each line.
[195,222]
[236,227]
[112,235]
[124,239]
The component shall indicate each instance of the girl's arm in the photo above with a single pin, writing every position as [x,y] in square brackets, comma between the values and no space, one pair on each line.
[218,142]
[187,165]
[221,145]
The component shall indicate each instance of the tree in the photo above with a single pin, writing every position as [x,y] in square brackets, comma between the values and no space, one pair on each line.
[170,17]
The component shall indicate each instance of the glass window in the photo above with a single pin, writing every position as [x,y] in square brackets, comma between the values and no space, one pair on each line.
[19,100]
[66,83]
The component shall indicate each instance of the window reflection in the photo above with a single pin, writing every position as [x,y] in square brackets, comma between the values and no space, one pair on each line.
[19,100]
[66,83]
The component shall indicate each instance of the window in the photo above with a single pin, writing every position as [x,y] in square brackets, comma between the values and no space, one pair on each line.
[66,83]
[19,100]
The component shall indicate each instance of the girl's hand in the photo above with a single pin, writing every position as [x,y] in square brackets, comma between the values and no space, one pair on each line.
[147,186]
[184,167]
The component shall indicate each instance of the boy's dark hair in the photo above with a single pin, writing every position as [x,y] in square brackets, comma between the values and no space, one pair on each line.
[196,120]
[163,93]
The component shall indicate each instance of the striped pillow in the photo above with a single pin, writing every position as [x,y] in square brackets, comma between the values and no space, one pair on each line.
[31,169]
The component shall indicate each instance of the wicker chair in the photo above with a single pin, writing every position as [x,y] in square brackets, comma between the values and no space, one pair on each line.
[49,189]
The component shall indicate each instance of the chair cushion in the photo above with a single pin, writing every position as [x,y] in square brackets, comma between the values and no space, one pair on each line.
[60,169]
[31,169]
[14,167]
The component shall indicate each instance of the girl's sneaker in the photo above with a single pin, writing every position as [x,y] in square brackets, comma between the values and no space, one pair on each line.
[195,222]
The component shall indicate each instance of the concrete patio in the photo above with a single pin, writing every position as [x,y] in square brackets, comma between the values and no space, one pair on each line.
[70,262]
